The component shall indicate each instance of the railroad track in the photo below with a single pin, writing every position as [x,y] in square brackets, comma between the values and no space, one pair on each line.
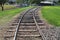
[25,27]
[28,27]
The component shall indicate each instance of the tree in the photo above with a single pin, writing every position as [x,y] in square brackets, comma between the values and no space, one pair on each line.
[11,2]
[43,0]
[30,1]
[59,1]
[20,1]
[35,1]
[2,2]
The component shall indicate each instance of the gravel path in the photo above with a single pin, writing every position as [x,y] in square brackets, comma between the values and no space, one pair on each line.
[51,33]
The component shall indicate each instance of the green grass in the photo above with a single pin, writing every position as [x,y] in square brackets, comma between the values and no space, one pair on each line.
[52,14]
[7,15]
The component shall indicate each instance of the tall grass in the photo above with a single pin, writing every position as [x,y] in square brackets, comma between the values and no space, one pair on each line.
[6,7]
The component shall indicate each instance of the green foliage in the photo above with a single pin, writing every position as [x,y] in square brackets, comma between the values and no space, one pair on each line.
[52,14]
[59,1]
[2,1]
[30,1]
[36,1]
[23,1]
[19,1]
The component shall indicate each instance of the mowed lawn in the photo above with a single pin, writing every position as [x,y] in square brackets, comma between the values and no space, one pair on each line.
[52,14]
[7,15]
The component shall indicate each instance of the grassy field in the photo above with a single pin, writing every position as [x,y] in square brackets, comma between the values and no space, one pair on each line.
[7,15]
[8,7]
[52,14]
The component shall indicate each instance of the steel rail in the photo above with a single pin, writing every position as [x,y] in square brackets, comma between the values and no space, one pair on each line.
[15,35]
[41,34]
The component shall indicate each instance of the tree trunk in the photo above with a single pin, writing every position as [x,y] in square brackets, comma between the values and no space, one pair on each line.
[2,7]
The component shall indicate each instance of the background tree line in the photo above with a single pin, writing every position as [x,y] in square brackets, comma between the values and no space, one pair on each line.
[2,2]
[29,1]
